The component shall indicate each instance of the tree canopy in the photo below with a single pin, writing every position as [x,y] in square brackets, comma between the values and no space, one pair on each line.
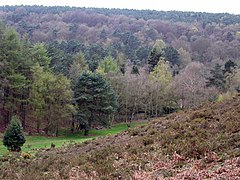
[95,99]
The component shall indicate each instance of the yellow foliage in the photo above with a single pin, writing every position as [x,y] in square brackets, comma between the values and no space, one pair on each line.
[194,29]
[26,155]
[238,34]
[225,96]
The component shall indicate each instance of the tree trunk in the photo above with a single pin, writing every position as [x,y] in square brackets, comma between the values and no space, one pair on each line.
[57,131]
[85,132]
[72,126]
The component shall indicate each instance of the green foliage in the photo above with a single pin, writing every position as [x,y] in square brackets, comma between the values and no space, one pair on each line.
[159,46]
[78,66]
[50,99]
[13,70]
[30,74]
[108,65]
[217,78]
[171,55]
[95,99]
[39,55]
[14,138]
[60,60]
[94,53]
[229,66]
[121,61]
[233,80]
[161,73]
[225,96]
[236,80]
[155,54]
[66,138]
[184,57]
[238,33]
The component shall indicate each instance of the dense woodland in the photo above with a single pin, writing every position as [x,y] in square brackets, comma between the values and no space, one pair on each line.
[80,68]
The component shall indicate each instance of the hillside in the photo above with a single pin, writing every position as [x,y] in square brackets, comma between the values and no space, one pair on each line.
[98,32]
[198,143]
[154,63]
[81,69]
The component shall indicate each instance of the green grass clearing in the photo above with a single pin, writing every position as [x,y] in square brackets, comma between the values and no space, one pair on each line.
[37,142]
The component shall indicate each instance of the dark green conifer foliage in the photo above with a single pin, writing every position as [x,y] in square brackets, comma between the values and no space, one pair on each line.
[14,138]
[135,70]
[95,99]
[171,55]
[154,58]
[217,78]
[229,66]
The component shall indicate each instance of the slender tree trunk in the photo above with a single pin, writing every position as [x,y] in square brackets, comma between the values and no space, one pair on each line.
[57,131]
[23,114]
[72,125]
[6,112]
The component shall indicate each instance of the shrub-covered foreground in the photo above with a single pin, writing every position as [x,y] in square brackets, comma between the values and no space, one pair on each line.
[196,144]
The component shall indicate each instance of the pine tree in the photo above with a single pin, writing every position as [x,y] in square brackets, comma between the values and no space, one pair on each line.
[95,99]
[14,138]
[171,55]
[217,78]
[155,54]
[13,80]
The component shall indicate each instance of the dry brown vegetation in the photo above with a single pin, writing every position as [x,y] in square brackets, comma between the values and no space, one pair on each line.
[195,144]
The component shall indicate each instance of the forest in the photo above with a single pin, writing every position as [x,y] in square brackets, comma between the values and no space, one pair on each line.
[79,68]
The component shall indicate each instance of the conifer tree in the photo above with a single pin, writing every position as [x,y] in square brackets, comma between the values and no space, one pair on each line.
[13,81]
[217,78]
[14,138]
[108,65]
[95,99]
[155,54]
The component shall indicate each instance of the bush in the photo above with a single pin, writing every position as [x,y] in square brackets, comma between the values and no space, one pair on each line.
[134,132]
[225,96]
[13,137]
[147,141]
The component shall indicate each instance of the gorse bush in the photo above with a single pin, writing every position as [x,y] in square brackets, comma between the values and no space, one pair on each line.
[14,138]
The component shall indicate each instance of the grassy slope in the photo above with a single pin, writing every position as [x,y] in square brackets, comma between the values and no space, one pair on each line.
[196,144]
[36,142]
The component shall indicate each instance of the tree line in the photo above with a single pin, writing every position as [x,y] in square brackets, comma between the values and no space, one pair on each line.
[91,68]
[46,101]
[174,16]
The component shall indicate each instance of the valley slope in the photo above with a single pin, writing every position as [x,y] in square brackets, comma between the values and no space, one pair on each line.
[195,144]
